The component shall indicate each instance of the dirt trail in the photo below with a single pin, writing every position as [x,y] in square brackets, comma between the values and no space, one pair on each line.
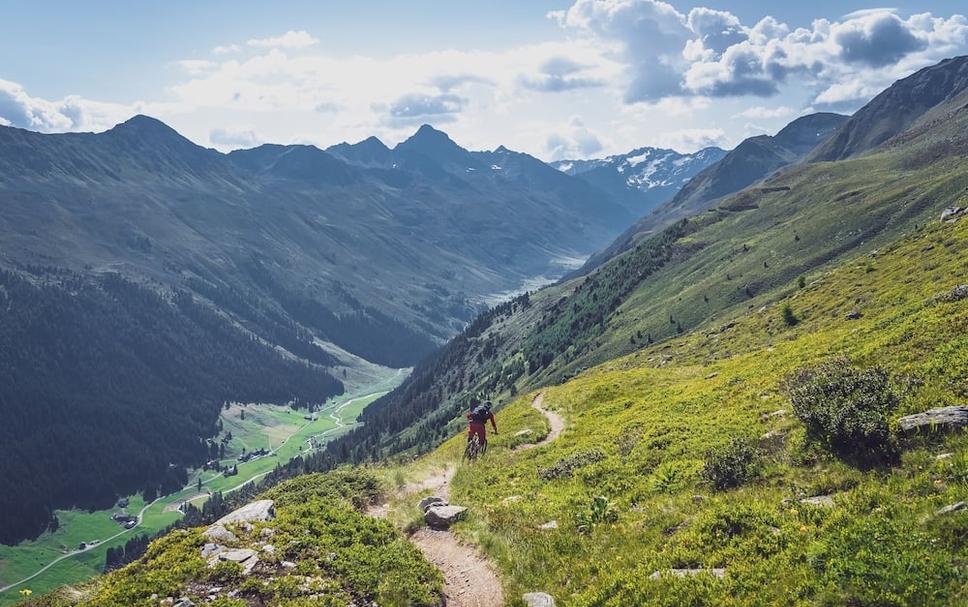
[469,579]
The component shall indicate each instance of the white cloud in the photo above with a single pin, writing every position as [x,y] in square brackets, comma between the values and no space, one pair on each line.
[762,111]
[233,138]
[576,141]
[72,113]
[226,49]
[710,52]
[690,140]
[291,39]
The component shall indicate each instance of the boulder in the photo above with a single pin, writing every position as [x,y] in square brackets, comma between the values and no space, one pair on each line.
[210,549]
[951,214]
[538,599]
[431,501]
[442,517]
[821,501]
[719,573]
[218,533]
[957,293]
[952,508]
[941,419]
[246,557]
[257,511]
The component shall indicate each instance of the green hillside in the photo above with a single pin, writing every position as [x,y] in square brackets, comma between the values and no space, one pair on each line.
[652,431]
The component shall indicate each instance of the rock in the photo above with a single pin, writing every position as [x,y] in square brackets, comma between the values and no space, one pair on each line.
[712,375]
[512,499]
[269,549]
[210,549]
[941,419]
[942,456]
[957,293]
[951,214]
[246,557]
[267,533]
[719,573]
[698,499]
[952,508]
[442,517]
[219,533]
[538,599]
[184,602]
[820,501]
[257,511]
[287,565]
[855,315]
[523,432]
[549,525]
[429,502]
[777,413]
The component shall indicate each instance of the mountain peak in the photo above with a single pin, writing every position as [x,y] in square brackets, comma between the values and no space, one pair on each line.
[428,134]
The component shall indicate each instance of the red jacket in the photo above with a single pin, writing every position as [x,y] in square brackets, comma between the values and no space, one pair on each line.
[490,417]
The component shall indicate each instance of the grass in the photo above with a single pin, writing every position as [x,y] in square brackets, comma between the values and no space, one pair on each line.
[324,552]
[263,422]
[656,414]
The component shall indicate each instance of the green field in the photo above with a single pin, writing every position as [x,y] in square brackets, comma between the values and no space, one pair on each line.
[265,425]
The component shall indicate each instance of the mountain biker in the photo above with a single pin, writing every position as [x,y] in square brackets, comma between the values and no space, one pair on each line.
[479,414]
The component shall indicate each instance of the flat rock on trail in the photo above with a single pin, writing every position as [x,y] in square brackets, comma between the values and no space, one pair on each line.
[469,579]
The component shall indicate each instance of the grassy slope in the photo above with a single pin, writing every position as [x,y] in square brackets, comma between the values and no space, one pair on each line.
[340,557]
[17,562]
[655,413]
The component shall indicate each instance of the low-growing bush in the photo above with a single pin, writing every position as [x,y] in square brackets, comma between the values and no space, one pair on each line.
[731,465]
[844,408]
[566,466]
[601,510]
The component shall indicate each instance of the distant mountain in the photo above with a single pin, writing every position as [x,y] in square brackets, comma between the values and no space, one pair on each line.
[258,262]
[896,108]
[753,159]
[644,178]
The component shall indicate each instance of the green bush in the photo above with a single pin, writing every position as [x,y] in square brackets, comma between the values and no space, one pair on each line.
[844,408]
[731,465]
[601,510]
[789,317]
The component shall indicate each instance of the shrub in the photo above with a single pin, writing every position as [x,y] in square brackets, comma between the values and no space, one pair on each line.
[844,408]
[566,466]
[731,465]
[789,317]
[601,510]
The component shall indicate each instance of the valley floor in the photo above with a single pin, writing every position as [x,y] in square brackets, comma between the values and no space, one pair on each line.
[54,559]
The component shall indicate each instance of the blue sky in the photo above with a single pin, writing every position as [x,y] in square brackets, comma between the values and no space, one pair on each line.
[557,79]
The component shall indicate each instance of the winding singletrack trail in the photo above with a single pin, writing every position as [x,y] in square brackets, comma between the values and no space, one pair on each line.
[469,579]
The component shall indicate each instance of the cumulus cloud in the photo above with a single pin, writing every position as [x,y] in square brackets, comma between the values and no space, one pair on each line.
[72,113]
[417,108]
[667,53]
[761,112]
[574,142]
[690,140]
[226,49]
[291,39]
[559,74]
[233,138]
[449,82]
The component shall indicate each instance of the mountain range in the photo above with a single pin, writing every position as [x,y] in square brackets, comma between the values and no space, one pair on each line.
[272,266]
[643,178]
[696,265]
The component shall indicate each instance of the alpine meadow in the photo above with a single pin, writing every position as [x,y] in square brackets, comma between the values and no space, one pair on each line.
[582,303]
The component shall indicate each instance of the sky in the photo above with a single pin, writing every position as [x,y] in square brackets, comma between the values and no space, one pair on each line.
[557,79]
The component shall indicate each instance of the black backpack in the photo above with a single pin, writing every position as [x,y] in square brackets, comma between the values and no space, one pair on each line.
[481,412]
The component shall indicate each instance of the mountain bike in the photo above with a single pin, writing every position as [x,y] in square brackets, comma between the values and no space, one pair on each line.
[474,448]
